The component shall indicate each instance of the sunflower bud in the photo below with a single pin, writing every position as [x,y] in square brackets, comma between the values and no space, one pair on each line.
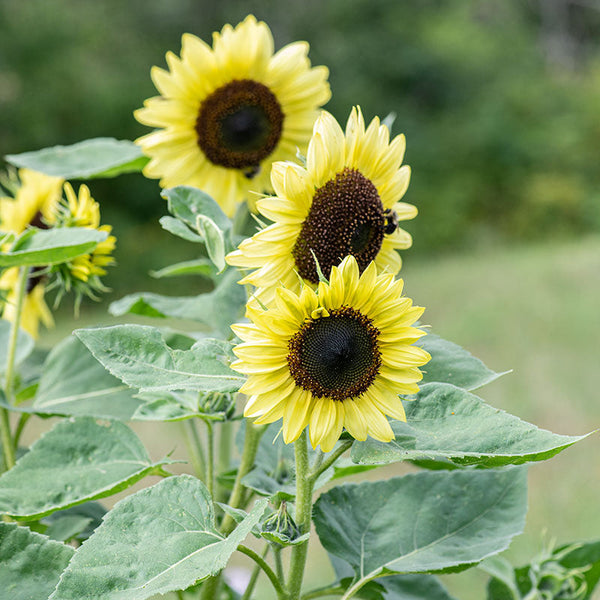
[280,528]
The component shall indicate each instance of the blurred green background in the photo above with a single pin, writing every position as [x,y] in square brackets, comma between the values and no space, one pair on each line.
[500,104]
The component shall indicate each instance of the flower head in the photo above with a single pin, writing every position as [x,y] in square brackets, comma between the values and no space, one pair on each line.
[226,113]
[332,359]
[35,204]
[345,201]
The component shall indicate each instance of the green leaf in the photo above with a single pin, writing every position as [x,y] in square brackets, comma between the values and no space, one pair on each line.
[217,309]
[583,555]
[423,522]
[24,348]
[158,540]
[31,563]
[452,364]
[98,157]
[503,584]
[180,229]
[67,527]
[74,383]
[446,422]
[90,513]
[167,406]
[213,239]
[187,203]
[41,247]
[201,266]
[78,460]
[139,356]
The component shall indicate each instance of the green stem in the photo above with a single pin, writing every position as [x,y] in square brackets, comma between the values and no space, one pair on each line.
[251,440]
[19,430]
[323,465]
[224,457]
[278,563]
[254,576]
[8,450]
[209,589]
[194,446]
[304,490]
[210,463]
[332,590]
[260,561]
[7,440]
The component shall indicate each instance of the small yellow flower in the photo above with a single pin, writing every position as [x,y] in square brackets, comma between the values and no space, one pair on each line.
[345,201]
[226,113]
[83,211]
[35,204]
[332,359]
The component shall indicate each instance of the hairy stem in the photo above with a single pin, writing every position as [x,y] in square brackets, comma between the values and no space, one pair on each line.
[304,490]
[8,448]
[210,462]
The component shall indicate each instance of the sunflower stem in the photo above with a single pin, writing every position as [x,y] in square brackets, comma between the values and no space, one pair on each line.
[194,446]
[224,457]
[210,462]
[304,490]
[323,465]
[254,577]
[262,563]
[251,440]
[330,590]
[7,440]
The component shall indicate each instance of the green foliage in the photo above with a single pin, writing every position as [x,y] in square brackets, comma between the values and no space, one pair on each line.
[423,522]
[158,540]
[39,247]
[31,563]
[100,157]
[139,356]
[78,460]
[452,364]
[445,422]
[74,383]
[217,309]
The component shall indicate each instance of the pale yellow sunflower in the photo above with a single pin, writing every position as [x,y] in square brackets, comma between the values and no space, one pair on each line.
[332,359]
[35,204]
[226,113]
[345,201]
[81,210]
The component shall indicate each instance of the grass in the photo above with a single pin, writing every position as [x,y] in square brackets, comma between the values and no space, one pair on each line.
[533,309]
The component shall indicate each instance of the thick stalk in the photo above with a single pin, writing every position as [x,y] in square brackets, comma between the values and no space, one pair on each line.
[194,446]
[7,440]
[304,490]
[251,440]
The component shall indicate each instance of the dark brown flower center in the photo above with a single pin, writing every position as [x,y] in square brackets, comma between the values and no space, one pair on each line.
[346,217]
[336,356]
[239,125]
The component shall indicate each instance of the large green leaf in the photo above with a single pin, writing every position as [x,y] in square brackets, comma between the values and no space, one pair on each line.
[452,364]
[200,266]
[24,345]
[78,460]
[41,247]
[217,309]
[446,422]
[139,356]
[159,540]
[424,522]
[180,229]
[30,563]
[98,157]
[73,382]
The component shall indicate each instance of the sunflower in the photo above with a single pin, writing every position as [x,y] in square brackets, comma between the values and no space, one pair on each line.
[226,113]
[344,202]
[81,210]
[332,359]
[35,204]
